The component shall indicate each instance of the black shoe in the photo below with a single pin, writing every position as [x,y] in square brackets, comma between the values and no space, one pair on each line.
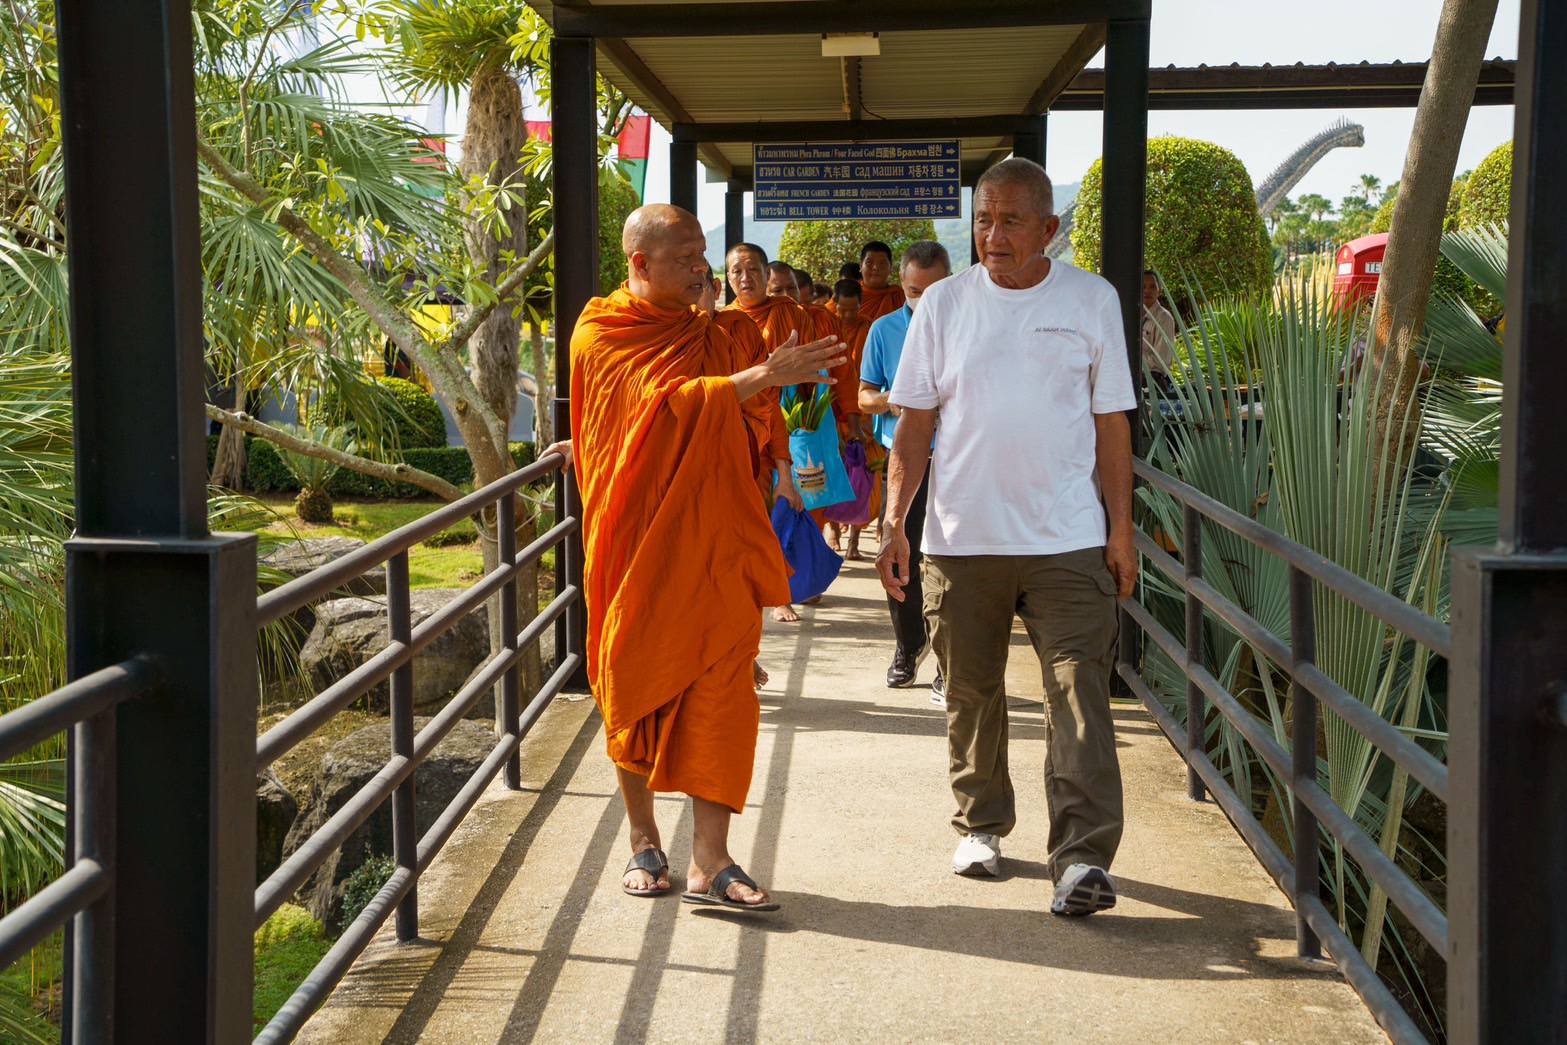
[904,667]
[938,690]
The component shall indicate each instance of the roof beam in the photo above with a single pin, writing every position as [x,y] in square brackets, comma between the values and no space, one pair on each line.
[857,130]
[637,71]
[794,17]
[1396,85]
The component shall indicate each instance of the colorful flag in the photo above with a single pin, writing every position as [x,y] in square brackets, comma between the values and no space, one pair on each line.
[631,150]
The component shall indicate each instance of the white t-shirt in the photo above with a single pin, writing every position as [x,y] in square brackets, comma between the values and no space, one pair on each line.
[1017,376]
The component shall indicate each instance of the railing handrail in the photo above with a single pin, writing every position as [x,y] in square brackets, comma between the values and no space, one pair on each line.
[1312,807]
[327,578]
[1388,608]
[393,782]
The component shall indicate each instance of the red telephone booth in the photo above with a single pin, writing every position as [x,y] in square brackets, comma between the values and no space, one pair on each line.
[1359,268]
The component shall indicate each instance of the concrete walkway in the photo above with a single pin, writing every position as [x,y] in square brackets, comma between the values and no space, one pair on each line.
[529,938]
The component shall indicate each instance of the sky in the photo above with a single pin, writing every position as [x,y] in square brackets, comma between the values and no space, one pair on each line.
[1188,32]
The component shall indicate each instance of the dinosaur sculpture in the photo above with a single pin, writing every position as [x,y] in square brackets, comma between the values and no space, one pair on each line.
[1274,188]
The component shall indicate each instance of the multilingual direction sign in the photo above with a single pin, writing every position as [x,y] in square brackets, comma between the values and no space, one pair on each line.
[808,182]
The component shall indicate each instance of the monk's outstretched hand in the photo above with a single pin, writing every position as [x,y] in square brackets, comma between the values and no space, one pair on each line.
[793,364]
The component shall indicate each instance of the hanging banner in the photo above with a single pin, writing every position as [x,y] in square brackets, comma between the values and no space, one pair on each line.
[805,182]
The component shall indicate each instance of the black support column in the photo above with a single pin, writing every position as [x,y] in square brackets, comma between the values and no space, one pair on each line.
[1125,177]
[574,131]
[734,225]
[1030,145]
[683,174]
[1507,821]
[161,791]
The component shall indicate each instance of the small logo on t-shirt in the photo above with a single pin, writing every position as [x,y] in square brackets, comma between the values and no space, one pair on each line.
[1055,330]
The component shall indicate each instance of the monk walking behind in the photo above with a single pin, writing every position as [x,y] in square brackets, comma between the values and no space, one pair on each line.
[668,490]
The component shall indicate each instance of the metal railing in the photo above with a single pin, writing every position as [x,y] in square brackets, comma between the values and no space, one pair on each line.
[82,899]
[85,889]
[1311,807]
[411,852]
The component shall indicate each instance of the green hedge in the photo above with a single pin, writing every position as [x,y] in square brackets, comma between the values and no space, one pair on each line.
[411,412]
[266,473]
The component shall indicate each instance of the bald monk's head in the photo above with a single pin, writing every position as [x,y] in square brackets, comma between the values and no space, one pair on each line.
[746,268]
[664,248]
[781,282]
[804,285]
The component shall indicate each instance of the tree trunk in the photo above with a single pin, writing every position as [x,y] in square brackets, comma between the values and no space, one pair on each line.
[543,389]
[1415,239]
[228,466]
[492,150]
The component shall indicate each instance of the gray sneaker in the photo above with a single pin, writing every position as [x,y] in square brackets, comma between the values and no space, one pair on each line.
[1083,889]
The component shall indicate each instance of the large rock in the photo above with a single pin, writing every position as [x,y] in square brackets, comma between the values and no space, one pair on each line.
[276,812]
[297,558]
[349,632]
[346,768]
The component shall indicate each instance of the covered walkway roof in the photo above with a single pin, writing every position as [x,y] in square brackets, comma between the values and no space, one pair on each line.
[727,75]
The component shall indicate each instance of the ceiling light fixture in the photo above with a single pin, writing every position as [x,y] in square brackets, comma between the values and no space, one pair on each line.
[851,45]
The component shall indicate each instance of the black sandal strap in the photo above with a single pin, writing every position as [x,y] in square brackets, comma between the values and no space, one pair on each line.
[653,861]
[729,876]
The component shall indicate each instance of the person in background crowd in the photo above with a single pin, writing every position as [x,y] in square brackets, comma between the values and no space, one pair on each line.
[1158,329]
[765,292]
[924,263]
[1030,514]
[880,297]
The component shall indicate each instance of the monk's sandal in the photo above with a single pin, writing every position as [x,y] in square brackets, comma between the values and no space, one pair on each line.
[655,863]
[717,894]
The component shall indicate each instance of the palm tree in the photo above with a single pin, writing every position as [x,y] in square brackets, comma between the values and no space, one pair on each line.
[1370,185]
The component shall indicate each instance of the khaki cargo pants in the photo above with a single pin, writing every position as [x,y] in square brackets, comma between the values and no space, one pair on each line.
[1067,603]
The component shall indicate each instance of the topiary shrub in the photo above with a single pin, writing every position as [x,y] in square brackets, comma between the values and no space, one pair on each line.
[360,887]
[411,413]
[820,247]
[289,922]
[617,199]
[1203,225]
[1488,194]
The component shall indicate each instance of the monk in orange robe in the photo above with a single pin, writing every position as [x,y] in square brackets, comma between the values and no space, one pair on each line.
[852,331]
[668,491]
[768,294]
[879,298]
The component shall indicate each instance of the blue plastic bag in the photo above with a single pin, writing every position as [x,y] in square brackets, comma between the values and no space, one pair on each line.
[816,465]
[815,565]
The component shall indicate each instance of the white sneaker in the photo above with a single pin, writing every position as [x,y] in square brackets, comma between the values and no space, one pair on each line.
[977,854]
[1083,889]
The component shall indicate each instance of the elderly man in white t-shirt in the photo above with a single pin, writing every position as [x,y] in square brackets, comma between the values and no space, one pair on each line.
[1029,514]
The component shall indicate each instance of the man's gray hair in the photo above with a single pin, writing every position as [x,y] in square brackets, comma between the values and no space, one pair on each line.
[1023,173]
[925,254]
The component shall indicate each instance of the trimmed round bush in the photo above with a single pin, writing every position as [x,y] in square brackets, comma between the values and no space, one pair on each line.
[1203,225]
[410,411]
[1488,195]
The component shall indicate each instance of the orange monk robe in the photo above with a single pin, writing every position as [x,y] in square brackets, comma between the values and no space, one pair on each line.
[680,554]
[763,417]
[877,303]
[777,317]
[846,393]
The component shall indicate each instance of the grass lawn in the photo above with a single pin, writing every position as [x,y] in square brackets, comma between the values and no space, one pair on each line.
[454,562]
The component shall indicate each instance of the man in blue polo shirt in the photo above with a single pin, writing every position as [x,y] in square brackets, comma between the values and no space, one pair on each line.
[923,263]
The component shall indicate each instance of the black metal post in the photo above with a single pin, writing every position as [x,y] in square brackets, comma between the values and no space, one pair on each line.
[508,707]
[174,803]
[1030,145]
[683,174]
[1196,707]
[1303,755]
[734,225]
[574,129]
[1507,821]
[405,829]
[1125,175]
